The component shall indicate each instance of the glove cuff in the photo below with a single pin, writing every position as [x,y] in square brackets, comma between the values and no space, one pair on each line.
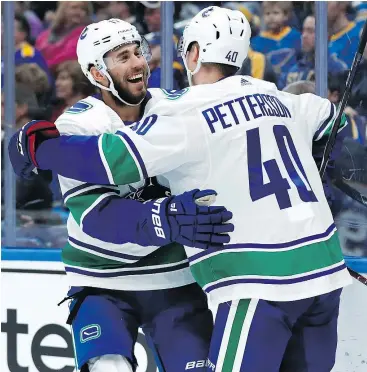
[155,225]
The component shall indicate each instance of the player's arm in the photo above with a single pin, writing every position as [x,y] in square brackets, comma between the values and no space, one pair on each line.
[99,210]
[104,160]
[321,116]
[317,116]
[121,158]
[103,214]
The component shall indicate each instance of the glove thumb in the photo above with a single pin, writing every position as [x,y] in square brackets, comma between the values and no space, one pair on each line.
[205,198]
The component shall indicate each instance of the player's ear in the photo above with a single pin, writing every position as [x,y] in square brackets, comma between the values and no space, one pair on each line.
[98,76]
[196,50]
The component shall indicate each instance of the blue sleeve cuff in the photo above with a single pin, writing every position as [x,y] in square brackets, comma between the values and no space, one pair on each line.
[75,157]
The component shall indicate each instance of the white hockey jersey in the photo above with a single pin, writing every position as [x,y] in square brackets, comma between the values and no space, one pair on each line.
[90,261]
[252,144]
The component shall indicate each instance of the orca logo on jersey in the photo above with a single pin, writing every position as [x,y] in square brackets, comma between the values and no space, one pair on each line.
[174,94]
[207,12]
[90,332]
[156,218]
[79,107]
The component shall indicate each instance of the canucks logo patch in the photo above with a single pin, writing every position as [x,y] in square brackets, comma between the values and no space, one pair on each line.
[90,332]
[206,13]
[83,35]
[79,107]
[174,94]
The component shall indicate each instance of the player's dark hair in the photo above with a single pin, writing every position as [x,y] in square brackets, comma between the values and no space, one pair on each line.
[225,70]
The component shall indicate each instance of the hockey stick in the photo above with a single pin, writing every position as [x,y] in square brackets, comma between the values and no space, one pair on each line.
[348,86]
[334,131]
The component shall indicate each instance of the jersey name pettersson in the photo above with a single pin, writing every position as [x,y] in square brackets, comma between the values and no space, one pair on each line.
[249,107]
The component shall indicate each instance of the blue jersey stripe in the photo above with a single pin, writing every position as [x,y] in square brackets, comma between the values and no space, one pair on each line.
[125,272]
[289,244]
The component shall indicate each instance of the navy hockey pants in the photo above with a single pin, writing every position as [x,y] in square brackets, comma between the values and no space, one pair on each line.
[176,322]
[265,336]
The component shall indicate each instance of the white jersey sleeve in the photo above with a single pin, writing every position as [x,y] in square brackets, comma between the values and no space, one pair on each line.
[316,115]
[156,145]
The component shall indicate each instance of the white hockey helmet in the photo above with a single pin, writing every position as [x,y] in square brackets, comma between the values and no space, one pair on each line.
[99,38]
[223,36]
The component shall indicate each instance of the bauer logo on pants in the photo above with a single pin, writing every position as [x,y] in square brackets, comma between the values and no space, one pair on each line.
[90,332]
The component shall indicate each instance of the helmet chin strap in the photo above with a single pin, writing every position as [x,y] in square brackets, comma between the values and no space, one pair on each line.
[113,90]
[190,73]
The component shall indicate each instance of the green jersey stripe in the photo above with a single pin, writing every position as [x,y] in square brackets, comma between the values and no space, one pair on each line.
[280,264]
[327,130]
[121,163]
[79,204]
[104,161]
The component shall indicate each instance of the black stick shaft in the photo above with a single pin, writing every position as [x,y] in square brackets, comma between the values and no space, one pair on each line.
[348,86]
[331,141]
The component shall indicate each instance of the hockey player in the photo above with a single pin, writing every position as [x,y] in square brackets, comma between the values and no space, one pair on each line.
[278,283]
[118,286]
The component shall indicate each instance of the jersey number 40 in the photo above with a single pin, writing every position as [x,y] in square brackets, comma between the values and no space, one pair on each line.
[277,185]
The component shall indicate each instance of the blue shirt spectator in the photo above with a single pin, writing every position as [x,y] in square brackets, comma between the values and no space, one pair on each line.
[304,69]
[344,35]
[280,43]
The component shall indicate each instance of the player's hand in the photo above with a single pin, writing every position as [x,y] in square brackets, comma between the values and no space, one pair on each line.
[24,143]
[187,219]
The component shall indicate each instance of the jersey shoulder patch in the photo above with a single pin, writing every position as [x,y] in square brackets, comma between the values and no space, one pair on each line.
[79,107]
[86,117]
[175,94]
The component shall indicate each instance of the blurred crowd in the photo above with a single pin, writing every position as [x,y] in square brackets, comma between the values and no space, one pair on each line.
[49,81]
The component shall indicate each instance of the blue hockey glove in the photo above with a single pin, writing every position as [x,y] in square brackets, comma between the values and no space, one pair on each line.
[23,145]
[184,219]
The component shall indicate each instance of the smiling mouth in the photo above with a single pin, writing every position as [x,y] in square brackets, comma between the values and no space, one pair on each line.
[138,78]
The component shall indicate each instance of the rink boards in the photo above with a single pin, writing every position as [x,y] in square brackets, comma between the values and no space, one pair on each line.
[34,333]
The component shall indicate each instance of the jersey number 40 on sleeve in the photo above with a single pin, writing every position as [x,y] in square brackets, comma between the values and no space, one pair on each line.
[277,185]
